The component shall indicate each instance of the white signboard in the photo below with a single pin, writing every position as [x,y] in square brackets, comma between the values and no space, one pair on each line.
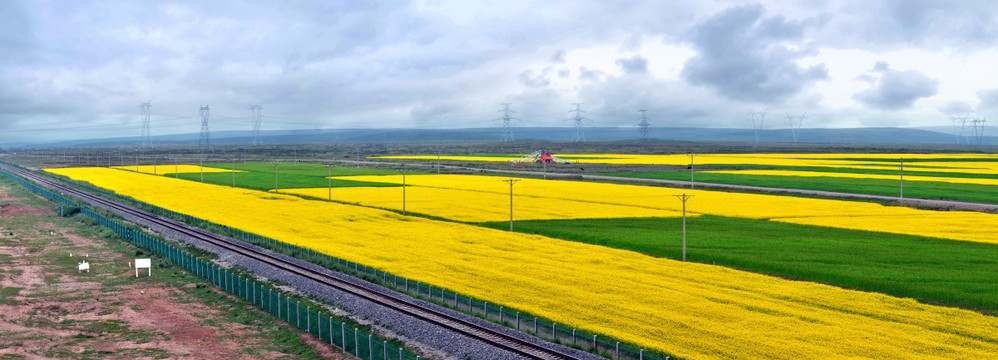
[84,266]
[143,264]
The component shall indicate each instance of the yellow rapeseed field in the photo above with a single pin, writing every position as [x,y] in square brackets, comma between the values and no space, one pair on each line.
[692,310]
[488,200]
[170,169]
[955,225]
[925,162]
[955,180]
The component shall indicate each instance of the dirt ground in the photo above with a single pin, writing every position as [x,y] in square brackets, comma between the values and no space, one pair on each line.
[50,310]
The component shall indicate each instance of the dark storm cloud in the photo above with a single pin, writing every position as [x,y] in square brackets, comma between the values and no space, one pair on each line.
[988,99]
[399,63]
[744,56]
[895,90]
[903,23]
[558,57]
[636,64]
[586,74]
[956,107]
[531,79]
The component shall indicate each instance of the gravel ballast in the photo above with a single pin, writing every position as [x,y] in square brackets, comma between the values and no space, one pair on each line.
[434,340]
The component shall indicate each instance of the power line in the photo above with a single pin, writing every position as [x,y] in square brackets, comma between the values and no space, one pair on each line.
[204,142]
[978,124]
[758,118]
[644,126]
[579,135]
[146,141]
[795,123]
[507,129]
[257,111]
[961,122]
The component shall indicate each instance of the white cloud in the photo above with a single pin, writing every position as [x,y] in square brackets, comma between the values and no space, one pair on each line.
[86,65]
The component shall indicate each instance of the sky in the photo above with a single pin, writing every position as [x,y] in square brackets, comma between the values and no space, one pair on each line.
[79,69]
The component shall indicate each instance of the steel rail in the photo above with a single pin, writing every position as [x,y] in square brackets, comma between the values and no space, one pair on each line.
[425,313]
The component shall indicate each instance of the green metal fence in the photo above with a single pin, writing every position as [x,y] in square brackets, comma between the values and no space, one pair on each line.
[312,321]
[519,320]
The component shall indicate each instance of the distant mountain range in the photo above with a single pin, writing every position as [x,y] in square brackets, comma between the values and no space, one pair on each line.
[884,135]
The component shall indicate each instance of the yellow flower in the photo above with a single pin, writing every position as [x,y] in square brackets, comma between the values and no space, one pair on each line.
[691,310]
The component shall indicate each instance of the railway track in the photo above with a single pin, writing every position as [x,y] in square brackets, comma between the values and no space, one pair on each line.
[496,338]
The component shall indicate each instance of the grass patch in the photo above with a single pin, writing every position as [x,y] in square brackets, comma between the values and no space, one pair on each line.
[937,271]
[7,293]
[260,176]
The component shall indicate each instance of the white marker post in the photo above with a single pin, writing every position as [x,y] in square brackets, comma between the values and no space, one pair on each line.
[84,266]
[143,264]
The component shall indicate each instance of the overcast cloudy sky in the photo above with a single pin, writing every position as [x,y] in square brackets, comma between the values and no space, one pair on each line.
[73,69]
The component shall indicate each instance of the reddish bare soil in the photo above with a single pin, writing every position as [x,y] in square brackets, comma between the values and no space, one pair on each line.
[49,310]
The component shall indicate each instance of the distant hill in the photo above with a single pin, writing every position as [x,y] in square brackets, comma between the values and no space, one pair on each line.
[850,135]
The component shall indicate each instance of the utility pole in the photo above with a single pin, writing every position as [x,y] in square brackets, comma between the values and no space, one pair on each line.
[257,115]
[403,170]
[644,126]
[146,141]
[276,188]
[684,197]
[758,118]
[579,135]
[691,169]
[507,130]
[511,182]
[901,193]
[201,166]
[330,177]
[204,142]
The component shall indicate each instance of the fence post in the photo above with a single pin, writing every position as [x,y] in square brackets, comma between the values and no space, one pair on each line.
[535,326]
[356,347]
[500,315]
[573,337]
[384,348]
[617,351]
[330,330]
[518,320]
[486,307]
[553,333]
[370,346]
[594,344]
[641,354]
[343,335]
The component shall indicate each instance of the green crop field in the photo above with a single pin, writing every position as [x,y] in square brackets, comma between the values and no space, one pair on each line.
[260,176]
[912,189]
[938,271]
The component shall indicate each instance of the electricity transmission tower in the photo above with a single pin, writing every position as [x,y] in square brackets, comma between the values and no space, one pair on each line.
[758,118]
[643,126]
[579,135]
[961,122]
[978,125]
[257,114]
[507,130]
[204,142]
[795,123]
[146,142]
